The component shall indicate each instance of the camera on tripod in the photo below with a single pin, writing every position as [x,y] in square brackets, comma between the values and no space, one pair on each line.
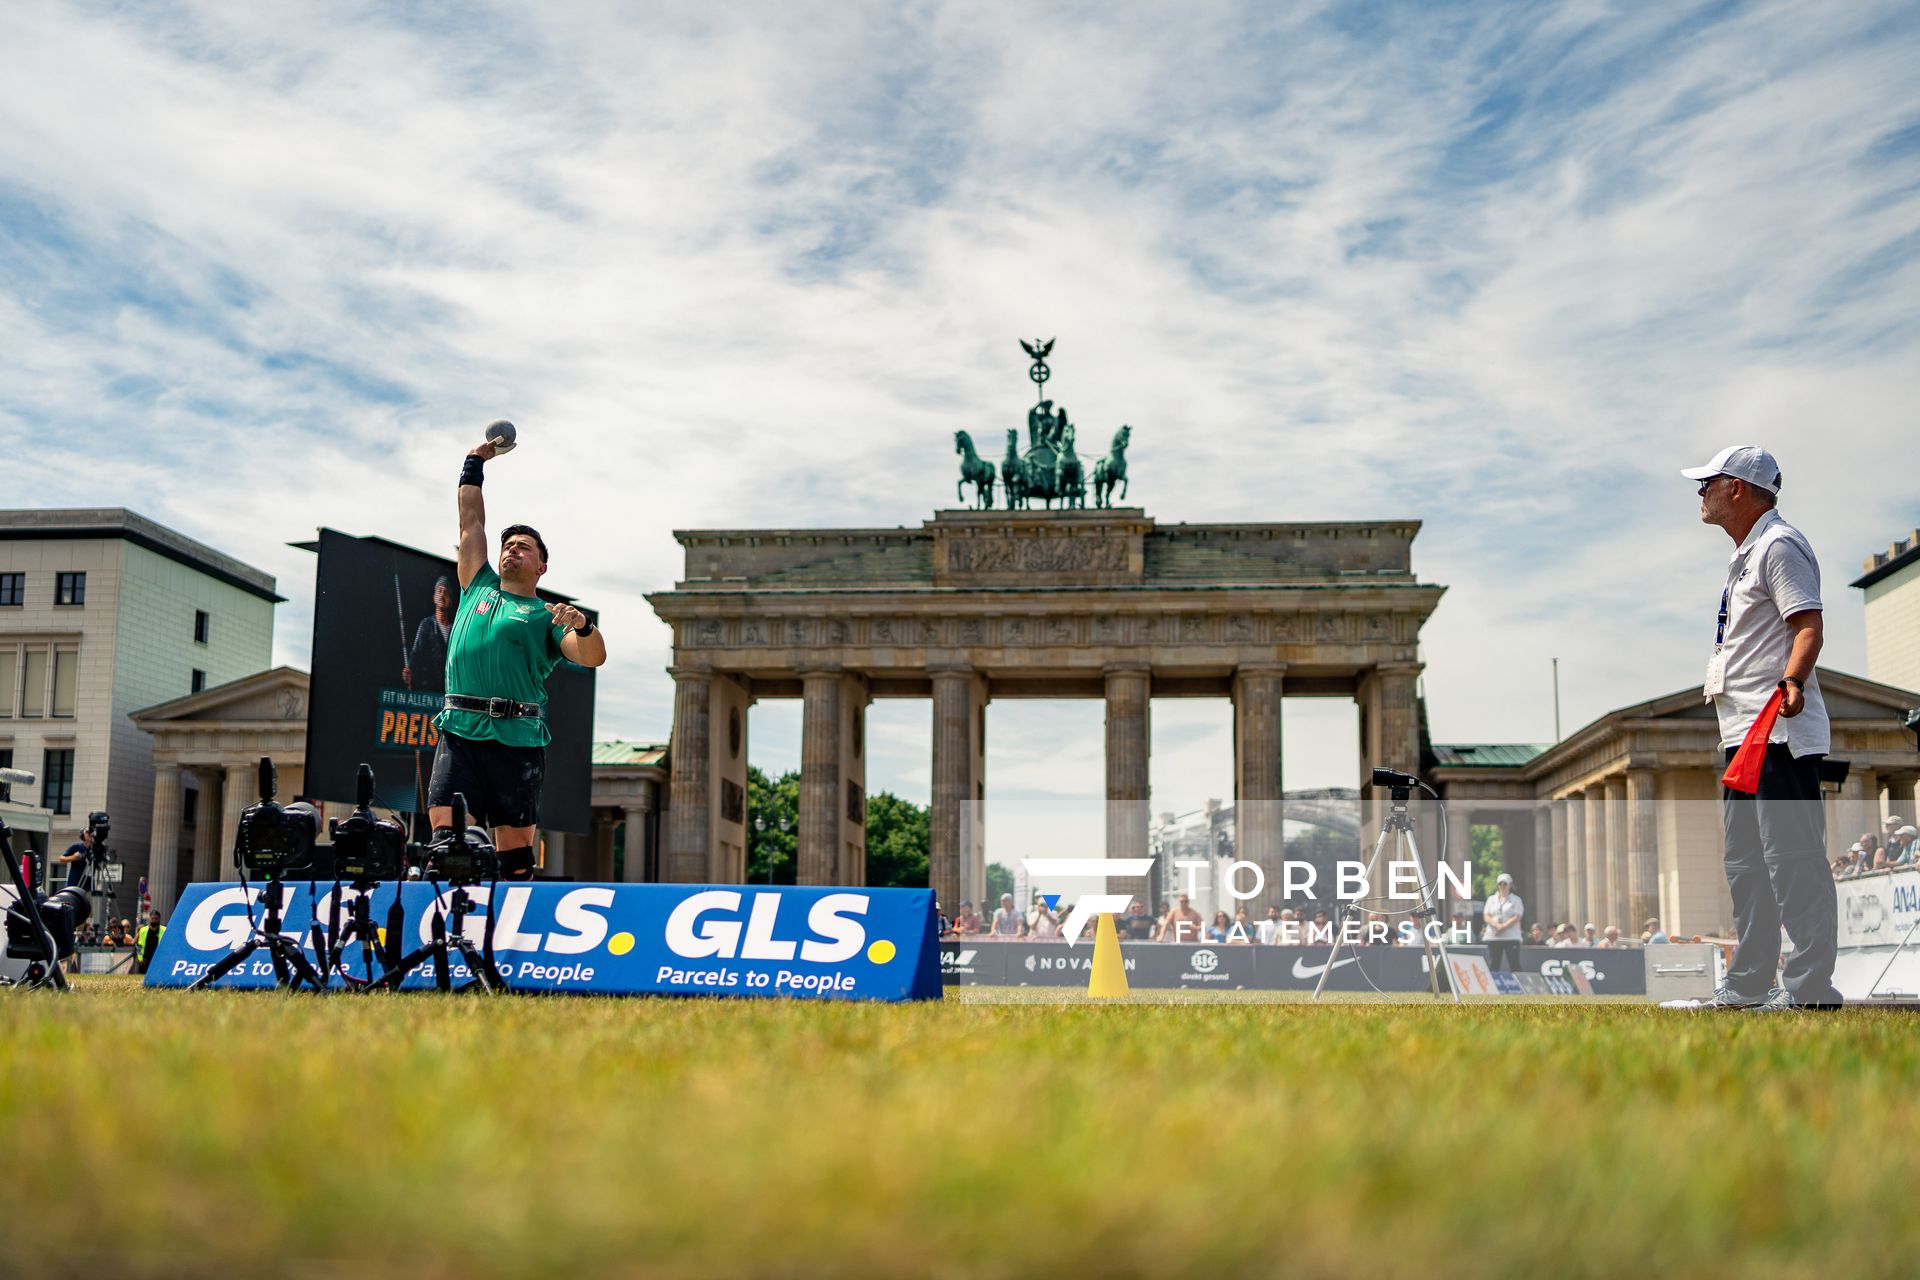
[460,854]
[273,840]
[63,913]
[365,847]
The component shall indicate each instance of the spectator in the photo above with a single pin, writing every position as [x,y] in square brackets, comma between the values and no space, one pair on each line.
[1536,936]
[1590,936]
[1042,924]
[1183,923]
[1268,932]
[1137,925]
[1564,935]
[1217,931]
[1378,930]
[1502,916]
[146,940]
[1242,931]
[940,918]
[967,923]
[1611,938]
[1320,932]
[1651,934]
[1006,921]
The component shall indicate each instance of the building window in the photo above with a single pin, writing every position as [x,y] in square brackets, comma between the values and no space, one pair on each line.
[70,588]
[13,589]
[9,667]
[199,679]
[6,757]
[56,781]
[200,621]
[66,666]
[189,805]
[33,683]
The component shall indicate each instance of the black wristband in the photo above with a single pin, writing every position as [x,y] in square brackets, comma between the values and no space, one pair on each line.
[584,630]
[470,470]
[1795,681]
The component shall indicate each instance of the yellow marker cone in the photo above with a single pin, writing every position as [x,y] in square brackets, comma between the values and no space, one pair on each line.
[1108,979]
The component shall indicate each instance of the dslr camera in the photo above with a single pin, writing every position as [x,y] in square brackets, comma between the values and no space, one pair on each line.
[366,847]
[275,841]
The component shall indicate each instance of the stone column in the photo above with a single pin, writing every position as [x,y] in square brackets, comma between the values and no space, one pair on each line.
[820,732]
[1540,904]
[206,826]
[1557,815]
[163,844]
[1643,851]
[690,758]
[1129,725]
[1598,899]
[956,826]
[1259,797]
[1393,711]
[633,868]
[1576,803]
[1617,845]
[242,790]
[1859,806]
[1896,800]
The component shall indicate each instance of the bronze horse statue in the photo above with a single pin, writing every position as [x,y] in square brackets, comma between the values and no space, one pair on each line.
[974,470]
[1069,478]
[1112,470]
[1014,473]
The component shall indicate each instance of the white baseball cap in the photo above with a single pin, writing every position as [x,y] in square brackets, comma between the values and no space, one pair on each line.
[1748,462]
[1504,879]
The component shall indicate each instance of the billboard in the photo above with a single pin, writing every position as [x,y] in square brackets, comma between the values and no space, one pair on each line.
[606,939]
[381,616]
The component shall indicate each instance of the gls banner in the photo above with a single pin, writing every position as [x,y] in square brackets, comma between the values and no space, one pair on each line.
[609,939]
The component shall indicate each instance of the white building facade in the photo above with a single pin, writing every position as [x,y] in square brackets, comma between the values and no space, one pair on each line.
[1891,584]
[104,612]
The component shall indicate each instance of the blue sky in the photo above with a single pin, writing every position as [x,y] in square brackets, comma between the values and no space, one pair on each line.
[1503,268]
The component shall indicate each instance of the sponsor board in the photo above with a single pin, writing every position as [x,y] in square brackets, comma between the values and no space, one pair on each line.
[1877,911]
[611,939]
[1153,965]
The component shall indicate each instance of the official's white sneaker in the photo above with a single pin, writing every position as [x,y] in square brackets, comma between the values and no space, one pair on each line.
[1724,998]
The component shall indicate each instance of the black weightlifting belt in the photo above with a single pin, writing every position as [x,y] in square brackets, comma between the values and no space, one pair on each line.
[496,708]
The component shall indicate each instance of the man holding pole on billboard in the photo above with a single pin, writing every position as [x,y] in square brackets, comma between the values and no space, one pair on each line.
[504,643]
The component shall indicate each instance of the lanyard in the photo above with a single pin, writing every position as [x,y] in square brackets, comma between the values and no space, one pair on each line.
[1720,628]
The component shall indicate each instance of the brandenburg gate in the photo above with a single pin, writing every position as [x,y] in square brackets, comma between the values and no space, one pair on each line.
[1055,602]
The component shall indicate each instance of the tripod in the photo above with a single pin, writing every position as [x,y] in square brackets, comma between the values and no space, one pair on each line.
[359,927]
[51,975]
[1399,827]
[290,964]
[448,935]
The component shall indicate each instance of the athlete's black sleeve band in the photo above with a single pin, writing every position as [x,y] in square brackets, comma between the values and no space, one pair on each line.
[584,629]
[470,471]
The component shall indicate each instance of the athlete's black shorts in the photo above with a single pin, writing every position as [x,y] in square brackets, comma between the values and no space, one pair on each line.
[501,783]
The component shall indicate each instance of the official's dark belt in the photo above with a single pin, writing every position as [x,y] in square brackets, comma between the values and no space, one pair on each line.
[496,708]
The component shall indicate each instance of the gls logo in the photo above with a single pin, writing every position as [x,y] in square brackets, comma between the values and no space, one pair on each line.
[1558,969]
[831,917]
[219,922]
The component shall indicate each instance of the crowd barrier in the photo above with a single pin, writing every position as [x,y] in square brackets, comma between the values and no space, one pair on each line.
[1876,913]
[613,939]
[1156,965]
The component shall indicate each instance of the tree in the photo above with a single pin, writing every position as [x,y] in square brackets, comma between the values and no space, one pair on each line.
[1488,844]
[773,827]
[999,881]
[897,843]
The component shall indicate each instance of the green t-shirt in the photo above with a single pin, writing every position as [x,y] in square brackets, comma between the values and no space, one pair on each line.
[502,646]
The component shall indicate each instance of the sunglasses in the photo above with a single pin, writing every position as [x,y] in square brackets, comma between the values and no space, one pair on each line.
[1708,483]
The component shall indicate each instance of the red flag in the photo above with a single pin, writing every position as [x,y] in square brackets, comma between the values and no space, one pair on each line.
[1743,771]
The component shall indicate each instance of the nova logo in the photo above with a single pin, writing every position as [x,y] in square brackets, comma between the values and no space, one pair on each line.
[1906,897]
[706,924]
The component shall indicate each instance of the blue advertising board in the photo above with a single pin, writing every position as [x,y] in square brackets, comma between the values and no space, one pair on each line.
[607,939]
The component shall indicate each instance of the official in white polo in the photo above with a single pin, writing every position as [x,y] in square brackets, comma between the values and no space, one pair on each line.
[1767,636]
[1502,920]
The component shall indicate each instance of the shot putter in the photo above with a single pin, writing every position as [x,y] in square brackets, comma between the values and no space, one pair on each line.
[501,436]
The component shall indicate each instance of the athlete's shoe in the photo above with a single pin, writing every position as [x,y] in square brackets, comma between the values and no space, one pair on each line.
[1780,1001]
[1724,998]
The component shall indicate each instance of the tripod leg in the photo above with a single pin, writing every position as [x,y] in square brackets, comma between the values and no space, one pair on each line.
[441,979]
[1339,927]
[1429,898]
[225,965]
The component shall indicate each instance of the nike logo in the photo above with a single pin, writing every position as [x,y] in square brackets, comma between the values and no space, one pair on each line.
[1301,969]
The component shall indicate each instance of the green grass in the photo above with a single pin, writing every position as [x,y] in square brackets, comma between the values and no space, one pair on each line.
[420,1136]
